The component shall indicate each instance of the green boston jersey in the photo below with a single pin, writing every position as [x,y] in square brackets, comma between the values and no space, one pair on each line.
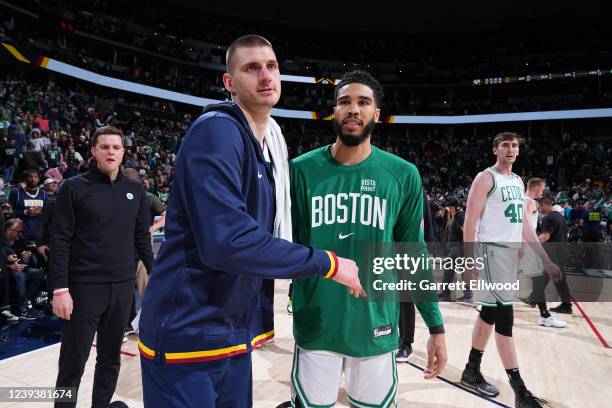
[342,208]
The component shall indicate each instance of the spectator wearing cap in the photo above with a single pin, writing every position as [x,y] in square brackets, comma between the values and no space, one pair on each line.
[43,232]
[558,208]
[50,185]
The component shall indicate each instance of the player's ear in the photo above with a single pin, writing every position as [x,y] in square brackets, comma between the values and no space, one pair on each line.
[376,114]
[227,83]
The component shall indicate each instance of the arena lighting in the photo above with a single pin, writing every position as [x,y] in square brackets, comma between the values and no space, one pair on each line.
[503,117]
[541,77]
[123,85]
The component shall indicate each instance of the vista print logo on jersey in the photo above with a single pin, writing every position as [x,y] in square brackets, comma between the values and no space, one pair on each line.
[368,186]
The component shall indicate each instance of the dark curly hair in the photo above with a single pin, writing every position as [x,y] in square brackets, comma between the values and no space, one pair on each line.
[364,78]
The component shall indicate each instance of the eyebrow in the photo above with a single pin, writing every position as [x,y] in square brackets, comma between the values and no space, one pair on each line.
[367,98]
[272,61]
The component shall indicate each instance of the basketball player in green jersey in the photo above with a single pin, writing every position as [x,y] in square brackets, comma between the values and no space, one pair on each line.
[346,195]
[495,220]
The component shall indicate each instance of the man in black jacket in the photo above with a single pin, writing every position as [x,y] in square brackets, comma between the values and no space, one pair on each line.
[454,238]
[554,240]
[100,225]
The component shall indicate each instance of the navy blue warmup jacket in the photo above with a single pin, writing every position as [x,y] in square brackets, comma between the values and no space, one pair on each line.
[204,300]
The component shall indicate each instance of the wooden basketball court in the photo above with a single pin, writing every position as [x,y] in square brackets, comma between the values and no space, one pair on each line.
[568,367]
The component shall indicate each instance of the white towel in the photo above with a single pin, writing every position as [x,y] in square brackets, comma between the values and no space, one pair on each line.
[280,156]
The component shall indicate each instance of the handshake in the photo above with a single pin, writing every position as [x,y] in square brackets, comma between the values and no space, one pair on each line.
[348,275]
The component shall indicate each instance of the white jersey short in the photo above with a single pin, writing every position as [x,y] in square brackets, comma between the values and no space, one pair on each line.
[530,264]
[369,382]
[499,273]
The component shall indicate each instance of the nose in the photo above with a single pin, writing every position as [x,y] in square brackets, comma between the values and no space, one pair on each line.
[265,76]
[353,109]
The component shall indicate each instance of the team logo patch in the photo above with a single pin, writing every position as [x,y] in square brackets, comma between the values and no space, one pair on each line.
[383,330]
[130,196]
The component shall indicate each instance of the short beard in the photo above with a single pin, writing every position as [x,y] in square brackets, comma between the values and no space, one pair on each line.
[352,140]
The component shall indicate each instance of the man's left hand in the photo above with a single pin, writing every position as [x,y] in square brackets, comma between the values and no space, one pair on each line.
[436,356]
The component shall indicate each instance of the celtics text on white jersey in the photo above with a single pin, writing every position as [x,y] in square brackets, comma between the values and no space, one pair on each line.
[503,216]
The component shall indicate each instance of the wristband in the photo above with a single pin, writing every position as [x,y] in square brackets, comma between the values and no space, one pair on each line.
[333,269]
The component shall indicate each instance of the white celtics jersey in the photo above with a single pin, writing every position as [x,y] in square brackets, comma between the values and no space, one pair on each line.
[534,219]
[502,219]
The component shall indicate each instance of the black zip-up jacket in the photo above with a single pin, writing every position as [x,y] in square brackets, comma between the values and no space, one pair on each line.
[98,228]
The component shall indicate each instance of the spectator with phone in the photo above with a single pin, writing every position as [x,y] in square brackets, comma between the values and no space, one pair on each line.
[21,263]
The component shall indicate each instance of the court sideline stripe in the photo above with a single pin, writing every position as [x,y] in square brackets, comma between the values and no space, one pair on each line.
[591,324]
[27,352]
[454,384]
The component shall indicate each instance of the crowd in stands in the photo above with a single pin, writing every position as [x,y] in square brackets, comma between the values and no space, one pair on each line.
[45,139]
[45,131]
[423,74]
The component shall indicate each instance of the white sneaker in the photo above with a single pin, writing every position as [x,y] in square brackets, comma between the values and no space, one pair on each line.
[550,321]
[8,316]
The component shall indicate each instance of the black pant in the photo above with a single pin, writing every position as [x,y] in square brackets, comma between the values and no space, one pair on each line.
[406,324]
[4,289]
[539,287]
[591,249]
[101,307]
